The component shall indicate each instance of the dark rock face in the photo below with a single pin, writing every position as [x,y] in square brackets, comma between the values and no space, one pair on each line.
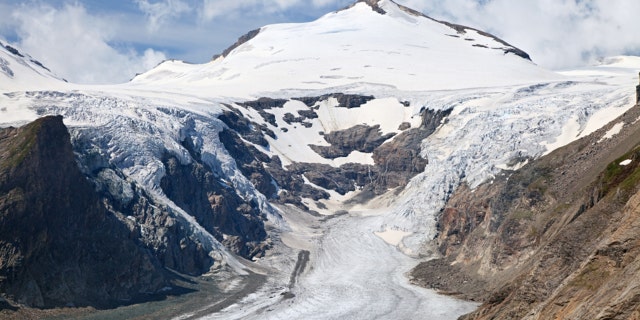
[396,161]
[13,50]
[397,157]
[399,160]
[59,245]
[289,118]
[341,180]
[264,172]
[374,4]
[344,100]
[292,185]
[249,130]
[404,126]
[432,119]
[236,224]
[263,104]
[242,40]
[155,226]
[361,138]
[249,161]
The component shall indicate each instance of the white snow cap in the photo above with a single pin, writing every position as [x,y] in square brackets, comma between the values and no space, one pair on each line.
[372,44]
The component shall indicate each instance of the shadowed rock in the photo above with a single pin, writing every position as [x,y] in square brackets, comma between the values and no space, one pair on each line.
[58,243]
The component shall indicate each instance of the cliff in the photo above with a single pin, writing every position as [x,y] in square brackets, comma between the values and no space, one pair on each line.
[557,239]
[59,246]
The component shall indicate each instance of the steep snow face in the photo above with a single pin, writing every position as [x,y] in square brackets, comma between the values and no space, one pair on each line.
[355,48]
[19,71]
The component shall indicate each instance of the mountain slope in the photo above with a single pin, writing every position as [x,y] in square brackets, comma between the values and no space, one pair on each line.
[555,239]
[358,47]
[19,71]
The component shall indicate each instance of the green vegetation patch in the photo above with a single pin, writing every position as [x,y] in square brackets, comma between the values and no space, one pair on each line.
[622,179]
[24,143]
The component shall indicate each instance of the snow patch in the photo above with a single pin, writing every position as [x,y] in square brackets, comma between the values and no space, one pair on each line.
[570,131]
[612,132]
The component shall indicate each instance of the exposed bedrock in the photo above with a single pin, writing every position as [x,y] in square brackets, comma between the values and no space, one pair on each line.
[251,131]
[344,100]
[234,222]
[250,162]
[361,138]
[59,245]
[396,156]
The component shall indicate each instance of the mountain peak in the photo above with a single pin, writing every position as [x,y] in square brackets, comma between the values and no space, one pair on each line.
[371,42]
[380,5]
[375,4]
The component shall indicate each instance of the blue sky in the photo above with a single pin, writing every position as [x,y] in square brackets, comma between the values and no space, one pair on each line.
[112,40]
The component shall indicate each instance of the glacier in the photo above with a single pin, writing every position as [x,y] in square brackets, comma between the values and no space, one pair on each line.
[504,111]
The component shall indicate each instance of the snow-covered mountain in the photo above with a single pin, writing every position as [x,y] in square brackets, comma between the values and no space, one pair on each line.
[20,71]
[373,45]
[368,118]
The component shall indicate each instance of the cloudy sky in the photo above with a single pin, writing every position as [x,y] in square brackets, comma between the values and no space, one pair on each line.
[99,41]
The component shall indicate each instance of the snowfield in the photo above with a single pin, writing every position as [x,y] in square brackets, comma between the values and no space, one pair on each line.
[505,110]
[355,48]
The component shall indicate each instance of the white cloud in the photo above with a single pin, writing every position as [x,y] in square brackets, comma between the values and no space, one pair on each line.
[160,12]
[76,45]
[556,33]
[215,8]
[87,47]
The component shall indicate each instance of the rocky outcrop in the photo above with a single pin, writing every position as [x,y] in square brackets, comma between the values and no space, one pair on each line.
[250,162]
[263,104]
[265,173]
[344,100]
[242,40]
[344,179]
[251,131]
[154,225]
[293,186]
[374,4]
[399,160]
[59,245]
[289,118]
[396,156]
[555,239]
[361,138]
[234,222]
